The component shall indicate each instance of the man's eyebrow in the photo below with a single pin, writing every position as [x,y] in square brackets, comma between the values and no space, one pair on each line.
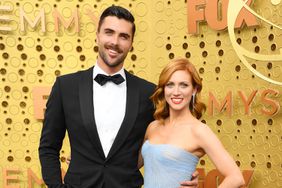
[108,29]
[125,35]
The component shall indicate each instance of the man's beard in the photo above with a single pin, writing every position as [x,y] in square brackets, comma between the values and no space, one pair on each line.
[115,63]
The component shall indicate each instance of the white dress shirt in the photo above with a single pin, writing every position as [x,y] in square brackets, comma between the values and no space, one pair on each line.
[109,108]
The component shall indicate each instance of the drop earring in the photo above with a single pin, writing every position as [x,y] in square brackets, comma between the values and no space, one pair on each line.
[193,99]
[192,102]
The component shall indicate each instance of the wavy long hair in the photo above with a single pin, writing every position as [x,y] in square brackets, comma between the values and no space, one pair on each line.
[161,106]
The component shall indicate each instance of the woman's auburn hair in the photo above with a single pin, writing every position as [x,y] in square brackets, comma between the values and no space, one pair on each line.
[161,106]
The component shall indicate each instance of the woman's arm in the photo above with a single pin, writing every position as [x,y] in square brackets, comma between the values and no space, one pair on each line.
[220,157]
[140,160]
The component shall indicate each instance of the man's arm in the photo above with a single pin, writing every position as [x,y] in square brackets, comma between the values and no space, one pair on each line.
[52,135]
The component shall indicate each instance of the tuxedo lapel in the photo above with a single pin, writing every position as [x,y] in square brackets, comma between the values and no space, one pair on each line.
[132,106]
[87,108]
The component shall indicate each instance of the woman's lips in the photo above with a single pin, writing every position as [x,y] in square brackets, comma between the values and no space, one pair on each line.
[176,100]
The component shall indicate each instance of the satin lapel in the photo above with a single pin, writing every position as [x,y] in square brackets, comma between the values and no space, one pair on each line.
[132,106]
[87,109]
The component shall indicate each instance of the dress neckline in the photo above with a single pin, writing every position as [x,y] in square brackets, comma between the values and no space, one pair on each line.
[172,146]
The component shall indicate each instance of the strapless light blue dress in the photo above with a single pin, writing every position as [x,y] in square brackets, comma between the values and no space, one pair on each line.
[165,166]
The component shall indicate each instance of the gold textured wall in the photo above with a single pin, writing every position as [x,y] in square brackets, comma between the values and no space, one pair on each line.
[31,58]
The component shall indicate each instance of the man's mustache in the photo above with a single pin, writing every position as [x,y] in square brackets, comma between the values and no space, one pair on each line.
[114,47]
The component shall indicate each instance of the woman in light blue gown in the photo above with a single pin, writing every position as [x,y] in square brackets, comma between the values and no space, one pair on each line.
[177,139]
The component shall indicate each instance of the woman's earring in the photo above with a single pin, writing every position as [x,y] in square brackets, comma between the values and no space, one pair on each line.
[193,100]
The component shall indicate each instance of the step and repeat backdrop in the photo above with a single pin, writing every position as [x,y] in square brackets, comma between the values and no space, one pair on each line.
[236,46]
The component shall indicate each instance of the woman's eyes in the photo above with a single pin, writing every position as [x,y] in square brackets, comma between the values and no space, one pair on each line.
[169,84]
[182,85]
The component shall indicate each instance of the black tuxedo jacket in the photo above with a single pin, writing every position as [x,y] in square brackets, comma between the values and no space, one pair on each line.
[70,108]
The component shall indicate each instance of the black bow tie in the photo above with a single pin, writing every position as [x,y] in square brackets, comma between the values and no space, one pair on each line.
[102,79]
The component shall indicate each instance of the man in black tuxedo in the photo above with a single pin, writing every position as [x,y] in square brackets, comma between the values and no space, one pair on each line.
[105,111]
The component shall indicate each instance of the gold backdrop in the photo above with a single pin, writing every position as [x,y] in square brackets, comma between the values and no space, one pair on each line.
[242,76]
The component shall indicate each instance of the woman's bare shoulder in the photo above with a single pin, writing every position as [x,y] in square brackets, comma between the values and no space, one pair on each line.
[200,129]
[153,126]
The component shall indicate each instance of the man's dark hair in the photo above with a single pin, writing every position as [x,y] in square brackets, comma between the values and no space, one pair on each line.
[118,12]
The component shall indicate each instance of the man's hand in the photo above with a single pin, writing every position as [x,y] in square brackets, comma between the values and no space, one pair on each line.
[194,183]
[68,160]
